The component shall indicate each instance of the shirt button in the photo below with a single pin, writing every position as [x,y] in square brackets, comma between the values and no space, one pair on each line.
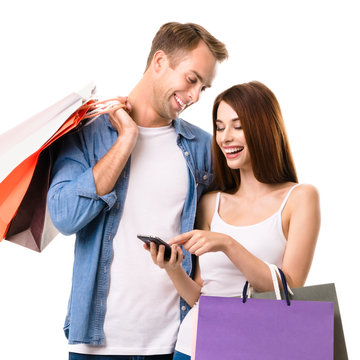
[186,153]
[205,177]
[183,308]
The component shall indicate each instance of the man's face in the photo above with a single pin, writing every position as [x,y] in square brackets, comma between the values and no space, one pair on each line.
[176,88]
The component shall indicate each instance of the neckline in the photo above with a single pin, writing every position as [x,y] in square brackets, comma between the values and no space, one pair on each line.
[283,203]
[245,226]
[151,130]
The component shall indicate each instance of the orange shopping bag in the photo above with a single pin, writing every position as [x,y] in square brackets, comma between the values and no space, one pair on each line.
[23,213]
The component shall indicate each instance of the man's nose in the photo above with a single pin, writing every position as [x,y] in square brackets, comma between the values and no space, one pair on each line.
[194,93]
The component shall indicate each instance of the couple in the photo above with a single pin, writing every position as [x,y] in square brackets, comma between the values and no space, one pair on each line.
[142,171]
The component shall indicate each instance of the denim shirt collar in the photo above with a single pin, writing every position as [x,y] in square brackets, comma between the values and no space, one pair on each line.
[182,128]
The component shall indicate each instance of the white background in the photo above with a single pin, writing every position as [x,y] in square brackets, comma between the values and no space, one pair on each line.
[305,51]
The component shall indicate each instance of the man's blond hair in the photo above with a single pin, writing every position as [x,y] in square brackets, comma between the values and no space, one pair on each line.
[175,39]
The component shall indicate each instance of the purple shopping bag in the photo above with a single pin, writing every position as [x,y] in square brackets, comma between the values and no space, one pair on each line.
[262,329]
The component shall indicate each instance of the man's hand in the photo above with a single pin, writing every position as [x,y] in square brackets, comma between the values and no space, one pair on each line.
[124,124]
[108,169]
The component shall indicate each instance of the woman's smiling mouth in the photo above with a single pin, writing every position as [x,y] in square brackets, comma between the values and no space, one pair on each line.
[232,152]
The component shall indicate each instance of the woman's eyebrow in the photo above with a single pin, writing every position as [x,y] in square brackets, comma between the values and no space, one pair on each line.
[233,120]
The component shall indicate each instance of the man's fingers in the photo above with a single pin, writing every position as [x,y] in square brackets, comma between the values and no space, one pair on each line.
[123,99]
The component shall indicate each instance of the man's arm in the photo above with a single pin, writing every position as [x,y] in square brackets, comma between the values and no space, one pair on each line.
[78,191]
[108,169]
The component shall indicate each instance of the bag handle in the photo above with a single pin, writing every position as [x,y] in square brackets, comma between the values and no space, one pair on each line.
[274,270]
[92,109]
[97,108]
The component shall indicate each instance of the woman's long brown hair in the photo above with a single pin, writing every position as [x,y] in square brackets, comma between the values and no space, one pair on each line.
[262,122]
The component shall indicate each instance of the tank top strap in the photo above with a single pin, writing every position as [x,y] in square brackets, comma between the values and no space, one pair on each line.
[216,217]
[217,202]
[286,197]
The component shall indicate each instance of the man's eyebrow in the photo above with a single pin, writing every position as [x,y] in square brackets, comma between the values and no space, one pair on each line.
[201,78]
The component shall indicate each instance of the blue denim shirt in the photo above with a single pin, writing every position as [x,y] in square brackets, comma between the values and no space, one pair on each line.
[75,207]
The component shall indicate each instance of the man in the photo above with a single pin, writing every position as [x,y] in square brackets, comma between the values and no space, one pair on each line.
[139,171]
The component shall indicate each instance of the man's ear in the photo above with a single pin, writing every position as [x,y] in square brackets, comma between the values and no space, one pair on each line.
[160,61]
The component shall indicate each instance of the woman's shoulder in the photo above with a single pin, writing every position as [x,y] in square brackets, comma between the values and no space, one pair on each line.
[306,190]
[206,208]
[208,200]
[304,195]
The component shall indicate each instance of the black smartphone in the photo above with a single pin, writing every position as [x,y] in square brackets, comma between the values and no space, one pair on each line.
[149,238]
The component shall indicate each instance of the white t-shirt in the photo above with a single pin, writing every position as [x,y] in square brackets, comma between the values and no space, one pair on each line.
[220,276]
[143,307]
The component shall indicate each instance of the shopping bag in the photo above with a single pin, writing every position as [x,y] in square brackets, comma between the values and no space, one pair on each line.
[25,139]
[24,218]
[263,329]
[322,292]
[31,225]
[25,171]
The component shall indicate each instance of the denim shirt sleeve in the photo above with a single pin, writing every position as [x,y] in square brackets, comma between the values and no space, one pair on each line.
[72,198]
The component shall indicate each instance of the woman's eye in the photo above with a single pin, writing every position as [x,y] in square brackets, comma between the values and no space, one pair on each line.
[219,129]
[191,80]
[238,127]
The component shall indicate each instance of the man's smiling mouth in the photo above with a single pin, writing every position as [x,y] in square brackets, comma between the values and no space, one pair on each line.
[180,102]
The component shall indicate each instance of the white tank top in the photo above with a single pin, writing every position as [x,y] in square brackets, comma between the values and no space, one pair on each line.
[220,276]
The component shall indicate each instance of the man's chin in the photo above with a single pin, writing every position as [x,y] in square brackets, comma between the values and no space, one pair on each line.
[171,113]
[174,115]
[178,112]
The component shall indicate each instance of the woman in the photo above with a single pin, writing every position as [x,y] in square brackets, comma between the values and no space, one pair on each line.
[260,214]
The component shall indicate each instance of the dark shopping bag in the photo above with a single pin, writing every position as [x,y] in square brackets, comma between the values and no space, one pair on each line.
[323,292]
[264,329]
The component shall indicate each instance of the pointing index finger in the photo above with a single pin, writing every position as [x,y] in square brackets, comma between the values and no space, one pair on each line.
[181,239]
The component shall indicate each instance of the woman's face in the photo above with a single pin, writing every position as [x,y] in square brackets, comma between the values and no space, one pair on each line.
[230,137]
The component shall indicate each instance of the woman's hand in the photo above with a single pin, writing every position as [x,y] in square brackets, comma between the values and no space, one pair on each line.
[187,288]
[199,242]
[157,256]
